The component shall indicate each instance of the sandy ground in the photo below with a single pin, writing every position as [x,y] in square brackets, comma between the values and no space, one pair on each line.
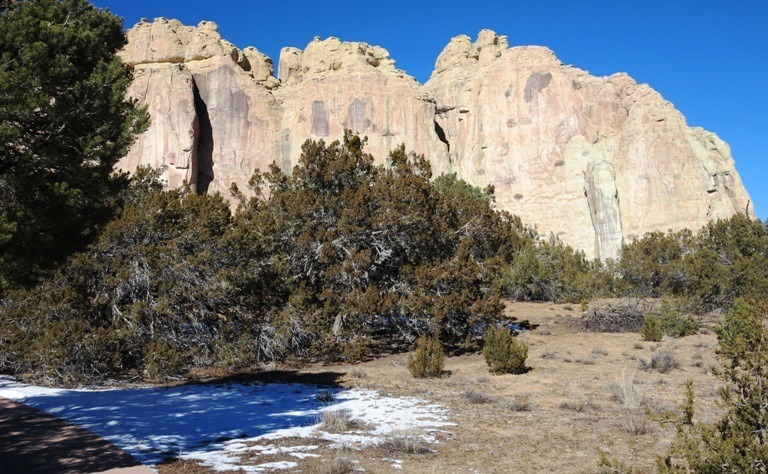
[555,418]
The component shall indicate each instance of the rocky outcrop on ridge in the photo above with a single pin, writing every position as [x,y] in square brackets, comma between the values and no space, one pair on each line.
[214,118]
[595,160]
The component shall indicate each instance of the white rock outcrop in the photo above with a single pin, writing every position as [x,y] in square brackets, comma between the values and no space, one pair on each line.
[594,160]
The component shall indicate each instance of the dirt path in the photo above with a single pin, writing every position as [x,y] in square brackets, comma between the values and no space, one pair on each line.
[32,441]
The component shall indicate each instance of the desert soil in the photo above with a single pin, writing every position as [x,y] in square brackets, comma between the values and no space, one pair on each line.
[557,417]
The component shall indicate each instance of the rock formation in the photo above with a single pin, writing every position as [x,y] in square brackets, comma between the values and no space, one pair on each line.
[595,160]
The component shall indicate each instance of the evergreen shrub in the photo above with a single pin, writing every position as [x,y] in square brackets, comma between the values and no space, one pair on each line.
[428,360]
[503,353]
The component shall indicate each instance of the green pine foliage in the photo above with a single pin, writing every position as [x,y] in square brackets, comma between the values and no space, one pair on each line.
[673,322]
[64,123]
[549,270]
[736,443]
[503,353]
[368,250]
[726,260]
[428,360]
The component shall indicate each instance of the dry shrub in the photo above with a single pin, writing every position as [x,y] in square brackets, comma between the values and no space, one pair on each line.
[521,403]
[599,351]
[635,421]
[324,397]
[340,421]
[662,361]
[428,360]
[626,392]
[340,466]
[577,402]
[404,441]
[477,396]
[357,373]
[336,421]
[625,316]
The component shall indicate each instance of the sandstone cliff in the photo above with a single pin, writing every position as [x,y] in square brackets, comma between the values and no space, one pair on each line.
[595,160]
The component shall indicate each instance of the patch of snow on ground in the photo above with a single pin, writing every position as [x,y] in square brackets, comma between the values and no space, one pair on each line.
[217,424]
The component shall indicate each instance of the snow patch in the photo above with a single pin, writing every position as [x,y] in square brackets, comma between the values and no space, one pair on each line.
[217,424]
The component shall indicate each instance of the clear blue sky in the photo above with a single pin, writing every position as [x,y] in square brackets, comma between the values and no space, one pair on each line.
[708,57]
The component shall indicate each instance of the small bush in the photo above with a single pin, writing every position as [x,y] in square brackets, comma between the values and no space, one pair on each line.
[626,392]
[340,466]
[336,421]
[675,324]
[503,353]
[652,330]
[578,402]
[635,421]
[662,362]
[612,465]
[428,360]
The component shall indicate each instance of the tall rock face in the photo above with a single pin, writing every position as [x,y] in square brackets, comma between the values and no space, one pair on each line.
[332,86]
[594,160]
[214,118]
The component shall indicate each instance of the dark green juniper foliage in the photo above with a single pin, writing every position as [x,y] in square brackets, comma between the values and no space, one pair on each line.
[736,443]
[368,250]
[64,123]
[428,360]
[165,287]
[726,260]
[503,353]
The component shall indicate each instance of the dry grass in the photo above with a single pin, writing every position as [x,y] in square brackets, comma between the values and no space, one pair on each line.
[606,403]
[357,373]
[404,442]
[477,397]
[518,404]
[340,421]
[662,361]
[626,392]
[340,466]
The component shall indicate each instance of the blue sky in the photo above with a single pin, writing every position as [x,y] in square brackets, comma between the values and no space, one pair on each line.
[708,57]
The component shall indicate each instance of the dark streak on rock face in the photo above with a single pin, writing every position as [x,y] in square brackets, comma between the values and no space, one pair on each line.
[537,82]
[320,126]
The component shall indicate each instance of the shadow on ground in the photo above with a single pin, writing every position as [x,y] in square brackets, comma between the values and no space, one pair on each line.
[32,441]
[154,423]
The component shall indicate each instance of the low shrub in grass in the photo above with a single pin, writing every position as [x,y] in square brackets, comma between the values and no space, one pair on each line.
[503,353]
[428,360]
[652,330]
[675,324]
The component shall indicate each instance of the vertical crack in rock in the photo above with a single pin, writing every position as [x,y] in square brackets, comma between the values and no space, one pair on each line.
[204,163]
[441,135]
[603,200]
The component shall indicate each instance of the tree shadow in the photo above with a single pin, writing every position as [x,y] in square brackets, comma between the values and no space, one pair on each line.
[153,423]
[32,441]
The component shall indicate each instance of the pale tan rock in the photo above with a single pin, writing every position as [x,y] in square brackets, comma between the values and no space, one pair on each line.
[597,161]
[171,140]
[209,113]
[331,86]
[594,160]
